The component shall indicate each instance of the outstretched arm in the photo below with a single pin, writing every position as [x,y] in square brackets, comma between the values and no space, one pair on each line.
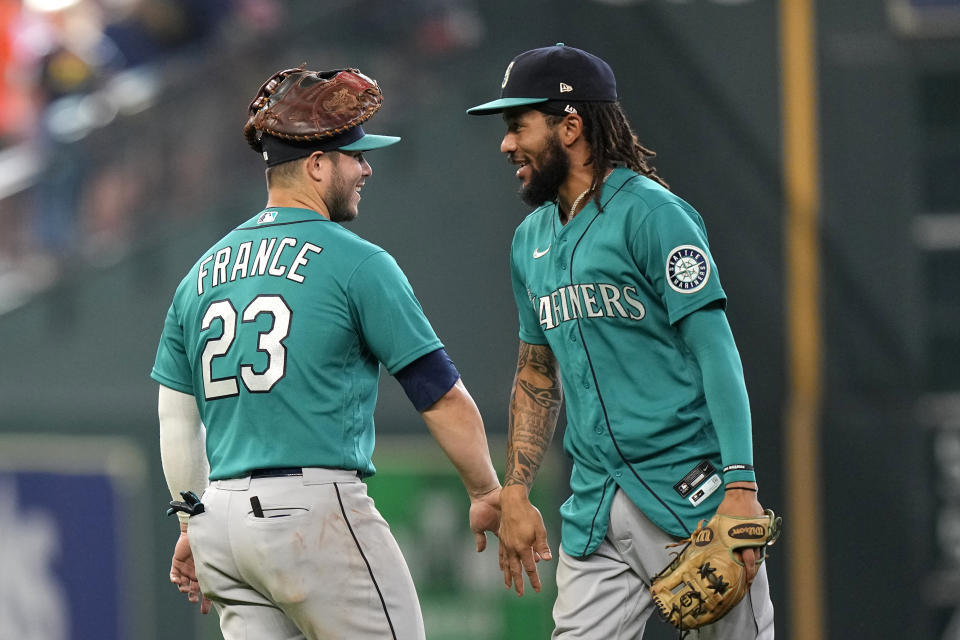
[456,425]
[534,406]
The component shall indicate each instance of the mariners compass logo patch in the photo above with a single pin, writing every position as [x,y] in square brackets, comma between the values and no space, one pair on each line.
[687,268]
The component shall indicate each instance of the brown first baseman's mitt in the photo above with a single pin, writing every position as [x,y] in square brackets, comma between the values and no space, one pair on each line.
[706,579]
[301,105]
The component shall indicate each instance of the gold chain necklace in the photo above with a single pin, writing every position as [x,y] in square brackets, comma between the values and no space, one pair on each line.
[576,203]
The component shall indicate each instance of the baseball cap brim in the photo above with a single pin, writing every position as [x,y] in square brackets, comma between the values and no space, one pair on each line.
[496,106]
[369,142]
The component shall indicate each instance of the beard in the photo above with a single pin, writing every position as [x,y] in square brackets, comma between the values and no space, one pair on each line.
[544,185]
[339,198]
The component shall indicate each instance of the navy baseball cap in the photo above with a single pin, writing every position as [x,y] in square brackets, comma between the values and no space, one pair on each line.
[277,150]
[558,73]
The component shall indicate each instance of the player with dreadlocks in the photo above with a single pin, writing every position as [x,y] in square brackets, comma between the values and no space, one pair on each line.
[611,141]
[620,310]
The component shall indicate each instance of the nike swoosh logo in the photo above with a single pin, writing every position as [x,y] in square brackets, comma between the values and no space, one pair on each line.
[539,254]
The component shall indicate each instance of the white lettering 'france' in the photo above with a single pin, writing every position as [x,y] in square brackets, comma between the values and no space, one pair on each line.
[268,259]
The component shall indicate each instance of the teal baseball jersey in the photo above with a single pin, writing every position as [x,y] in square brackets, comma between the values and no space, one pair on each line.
[605,292]
[279,331]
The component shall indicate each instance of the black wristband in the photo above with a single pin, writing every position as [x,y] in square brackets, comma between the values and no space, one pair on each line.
[738,467]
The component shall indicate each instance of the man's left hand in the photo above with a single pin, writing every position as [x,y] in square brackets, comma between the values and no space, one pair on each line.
[743,502]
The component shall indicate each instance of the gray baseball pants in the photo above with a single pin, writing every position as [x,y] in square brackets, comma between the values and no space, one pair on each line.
[606,595]
[320,563]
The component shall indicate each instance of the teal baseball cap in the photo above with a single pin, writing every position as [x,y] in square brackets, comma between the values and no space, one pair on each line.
[368,141]
[552,74]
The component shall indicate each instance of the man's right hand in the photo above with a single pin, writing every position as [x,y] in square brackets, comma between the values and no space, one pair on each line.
[485,516]
[523,539]
[183,573]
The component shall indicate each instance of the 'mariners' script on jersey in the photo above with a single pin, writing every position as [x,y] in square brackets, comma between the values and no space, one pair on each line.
[589,301]
[247,263]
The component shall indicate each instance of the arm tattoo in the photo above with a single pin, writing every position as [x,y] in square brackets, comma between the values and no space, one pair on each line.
[542,397]
[534,406]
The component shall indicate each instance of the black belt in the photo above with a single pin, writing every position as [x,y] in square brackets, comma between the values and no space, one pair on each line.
[276,473]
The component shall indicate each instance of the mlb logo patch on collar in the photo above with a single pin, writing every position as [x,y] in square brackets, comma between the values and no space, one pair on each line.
[267,216]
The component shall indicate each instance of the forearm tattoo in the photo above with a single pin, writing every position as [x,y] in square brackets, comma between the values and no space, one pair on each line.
[534,406]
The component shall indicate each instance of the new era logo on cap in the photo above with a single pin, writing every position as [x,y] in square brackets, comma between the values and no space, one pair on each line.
[565,88]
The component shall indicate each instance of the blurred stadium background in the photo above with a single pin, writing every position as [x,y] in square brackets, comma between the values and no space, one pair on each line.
[828,175]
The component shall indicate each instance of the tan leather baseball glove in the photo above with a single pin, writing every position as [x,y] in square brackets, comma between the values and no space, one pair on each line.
[705,580]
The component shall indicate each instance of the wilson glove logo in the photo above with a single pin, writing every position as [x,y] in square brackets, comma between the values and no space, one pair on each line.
[747,532]
[703,537]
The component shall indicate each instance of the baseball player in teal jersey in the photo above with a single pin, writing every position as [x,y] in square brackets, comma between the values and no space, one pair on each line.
[268,365]
[621,310]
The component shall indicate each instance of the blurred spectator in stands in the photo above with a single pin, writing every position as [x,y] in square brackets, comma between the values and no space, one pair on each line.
[74,190]
[77,58]
[83,203]
[145,30]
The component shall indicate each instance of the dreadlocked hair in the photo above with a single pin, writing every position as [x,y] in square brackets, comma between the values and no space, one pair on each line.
[612,141]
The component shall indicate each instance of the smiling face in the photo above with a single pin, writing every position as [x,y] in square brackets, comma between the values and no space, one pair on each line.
[348,172]
[533,144]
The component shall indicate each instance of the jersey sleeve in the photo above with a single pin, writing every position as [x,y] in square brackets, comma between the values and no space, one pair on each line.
[171,367]
[672,250]
[390,318]
[708,336]
[530,329]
